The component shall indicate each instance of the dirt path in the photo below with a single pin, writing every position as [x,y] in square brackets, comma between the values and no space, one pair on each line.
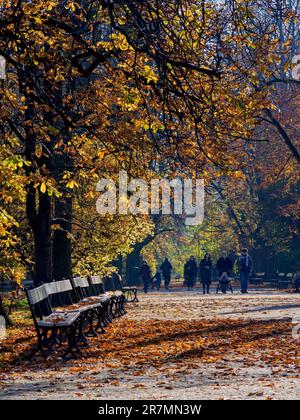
[179,345]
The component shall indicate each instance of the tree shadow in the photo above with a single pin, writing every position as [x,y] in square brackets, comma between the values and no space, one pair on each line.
[118,344]
[263,308]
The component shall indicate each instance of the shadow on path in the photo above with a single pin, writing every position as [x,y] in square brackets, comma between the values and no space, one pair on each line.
[264,308]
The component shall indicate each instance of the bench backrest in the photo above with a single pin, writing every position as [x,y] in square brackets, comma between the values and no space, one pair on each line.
[117,280]
[39,303]
[260,274]
[82,287]
[290,275]
[58,287]
[97,285]
[60,292]
[112,282]
[281,275]
[37,295]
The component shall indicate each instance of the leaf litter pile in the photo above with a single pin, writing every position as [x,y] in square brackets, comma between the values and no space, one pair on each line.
[172,356]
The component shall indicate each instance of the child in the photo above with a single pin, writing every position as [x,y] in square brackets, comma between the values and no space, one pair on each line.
[156,280]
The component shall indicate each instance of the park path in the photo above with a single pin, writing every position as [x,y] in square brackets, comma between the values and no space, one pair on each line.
[179,345]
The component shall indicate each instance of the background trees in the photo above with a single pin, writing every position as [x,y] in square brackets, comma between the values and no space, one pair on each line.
[185,88]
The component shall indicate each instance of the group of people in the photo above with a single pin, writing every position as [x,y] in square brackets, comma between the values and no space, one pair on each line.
[164,272]
[192,271]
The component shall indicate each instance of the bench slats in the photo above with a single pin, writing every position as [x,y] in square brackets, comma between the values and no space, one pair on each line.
[81,282]
[54,320]
[96,280]
[37,295]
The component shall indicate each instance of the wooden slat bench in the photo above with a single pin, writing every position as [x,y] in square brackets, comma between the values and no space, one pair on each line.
[75,309]
[46,320]
[117,296]
[62,297]
[98,290]
[258,278]
[286,281]
[130,292]
[93,307]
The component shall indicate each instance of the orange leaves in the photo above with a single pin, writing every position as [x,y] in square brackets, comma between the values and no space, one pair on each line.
[138,345]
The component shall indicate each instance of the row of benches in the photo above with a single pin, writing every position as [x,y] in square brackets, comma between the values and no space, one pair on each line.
[281,281]
[69,311]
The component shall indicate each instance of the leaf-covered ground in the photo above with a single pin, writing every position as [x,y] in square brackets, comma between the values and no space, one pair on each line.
[170,345]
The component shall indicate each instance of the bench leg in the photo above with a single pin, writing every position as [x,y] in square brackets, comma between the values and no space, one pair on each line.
[105,315]
[123,310]
[100,322]
[135,296]
[81,338]
[112,309]
[55,338]
[129,295]
[71,333]
[40,342]
[91,331]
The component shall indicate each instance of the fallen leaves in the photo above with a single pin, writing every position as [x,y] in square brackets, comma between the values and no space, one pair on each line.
[137,353]
[137,345]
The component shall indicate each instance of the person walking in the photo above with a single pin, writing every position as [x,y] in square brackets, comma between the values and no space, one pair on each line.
[205,269]
[145,274]
[190,272]
[166,269]
[245,264]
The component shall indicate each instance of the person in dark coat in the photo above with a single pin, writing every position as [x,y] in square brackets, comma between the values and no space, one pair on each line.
[190,272]
[145,274]
[205,272]
[224,264]
[166,269]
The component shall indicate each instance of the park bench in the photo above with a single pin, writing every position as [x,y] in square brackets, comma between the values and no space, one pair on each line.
[68,308]
[93,307]
[286,281]
[46,320]
[62,297]
[98,290]
[130,292]
[117,295]
[258,278]
[275,281]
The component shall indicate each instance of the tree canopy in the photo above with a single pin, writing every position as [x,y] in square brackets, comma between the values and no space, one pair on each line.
[159,89]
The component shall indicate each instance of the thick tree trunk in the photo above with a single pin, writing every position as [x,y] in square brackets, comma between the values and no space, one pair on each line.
[62,246]
[43,241]
[133,262]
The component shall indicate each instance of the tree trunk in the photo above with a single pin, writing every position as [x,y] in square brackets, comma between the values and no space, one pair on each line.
[62,246]
[43,241]
[133,262]
[4,314]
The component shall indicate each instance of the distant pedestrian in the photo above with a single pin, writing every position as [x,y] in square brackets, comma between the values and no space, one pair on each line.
[190,272]
[156,280]
[205,272]
[166,269]
[245,264]
[145,274]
